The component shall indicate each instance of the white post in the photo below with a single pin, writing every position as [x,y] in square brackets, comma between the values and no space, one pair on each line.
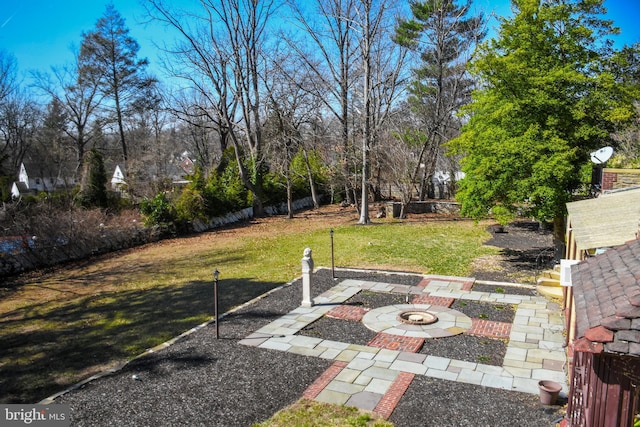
[307,271]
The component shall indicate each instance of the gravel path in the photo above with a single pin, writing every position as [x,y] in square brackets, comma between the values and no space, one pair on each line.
[204,381]
[469,348]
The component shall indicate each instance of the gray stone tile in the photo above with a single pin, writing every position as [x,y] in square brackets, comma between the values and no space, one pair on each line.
[364,400]
[333,397]
[344,387]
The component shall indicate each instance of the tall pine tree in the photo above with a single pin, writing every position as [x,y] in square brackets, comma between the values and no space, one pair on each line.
[444,35]
[110,54]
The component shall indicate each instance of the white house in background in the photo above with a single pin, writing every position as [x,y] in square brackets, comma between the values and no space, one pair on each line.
[117,180]
[442,177]
[441,181]
[37,177]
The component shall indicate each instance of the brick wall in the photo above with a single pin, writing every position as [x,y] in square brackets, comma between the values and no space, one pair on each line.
[613,179]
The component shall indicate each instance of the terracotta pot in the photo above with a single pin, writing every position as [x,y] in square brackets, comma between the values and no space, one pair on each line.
[549,391]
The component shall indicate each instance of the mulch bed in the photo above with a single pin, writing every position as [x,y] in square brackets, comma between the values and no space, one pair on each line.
[526,249]
[339,330]
[370,299]
[436,402]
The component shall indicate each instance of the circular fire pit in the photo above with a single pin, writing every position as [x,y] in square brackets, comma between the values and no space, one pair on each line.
[417,317]
[417,320]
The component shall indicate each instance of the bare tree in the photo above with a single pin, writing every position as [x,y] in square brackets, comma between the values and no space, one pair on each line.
[401,146]
[329,53]
[150,155]
[53,142]
[357,74]
[201,124]
[8,74]
[382,66]
[20,118]
[79,97]
[221,55]
[292,110]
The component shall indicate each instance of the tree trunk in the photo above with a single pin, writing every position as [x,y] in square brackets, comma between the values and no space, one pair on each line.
[312,183]
[366,101]
[289,198]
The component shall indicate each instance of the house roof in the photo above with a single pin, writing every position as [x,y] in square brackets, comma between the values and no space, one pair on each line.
[608,220]
[607,299]
[50,169]
[21,186]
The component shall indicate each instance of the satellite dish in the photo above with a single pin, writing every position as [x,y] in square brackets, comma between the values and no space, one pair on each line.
[602,155]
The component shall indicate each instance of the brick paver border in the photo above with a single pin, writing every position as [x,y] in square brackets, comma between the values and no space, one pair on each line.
[390,400]
[431,300]
[396,342]
[347,312]
[489,328]
[323,380]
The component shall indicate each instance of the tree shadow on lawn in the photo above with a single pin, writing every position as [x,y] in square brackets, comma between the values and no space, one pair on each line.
[46,348]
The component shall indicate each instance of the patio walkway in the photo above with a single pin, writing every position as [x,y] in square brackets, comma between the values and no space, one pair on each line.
[375,377]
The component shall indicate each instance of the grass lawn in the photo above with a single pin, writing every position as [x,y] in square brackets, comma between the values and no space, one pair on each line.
[58,327]
[323,415]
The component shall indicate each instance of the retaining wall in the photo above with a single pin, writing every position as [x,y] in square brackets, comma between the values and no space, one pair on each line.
[442,207]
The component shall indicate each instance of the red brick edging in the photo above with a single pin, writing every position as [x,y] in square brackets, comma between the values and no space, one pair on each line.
[489,328]
[390,400]
[396,342]
[347,312]
[428,299]
[323,380]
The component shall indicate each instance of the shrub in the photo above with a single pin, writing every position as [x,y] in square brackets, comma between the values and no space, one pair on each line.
[191,205]
[158,211]
[225,192]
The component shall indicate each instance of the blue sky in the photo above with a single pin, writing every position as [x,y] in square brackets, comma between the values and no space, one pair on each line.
[39,33]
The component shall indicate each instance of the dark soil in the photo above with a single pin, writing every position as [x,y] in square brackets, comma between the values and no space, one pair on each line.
[526,250]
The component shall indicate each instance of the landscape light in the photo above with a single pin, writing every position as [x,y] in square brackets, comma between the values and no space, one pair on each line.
[216,274]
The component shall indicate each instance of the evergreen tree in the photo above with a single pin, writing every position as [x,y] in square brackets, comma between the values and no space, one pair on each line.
[110,54]
[93,189]
[443,34]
